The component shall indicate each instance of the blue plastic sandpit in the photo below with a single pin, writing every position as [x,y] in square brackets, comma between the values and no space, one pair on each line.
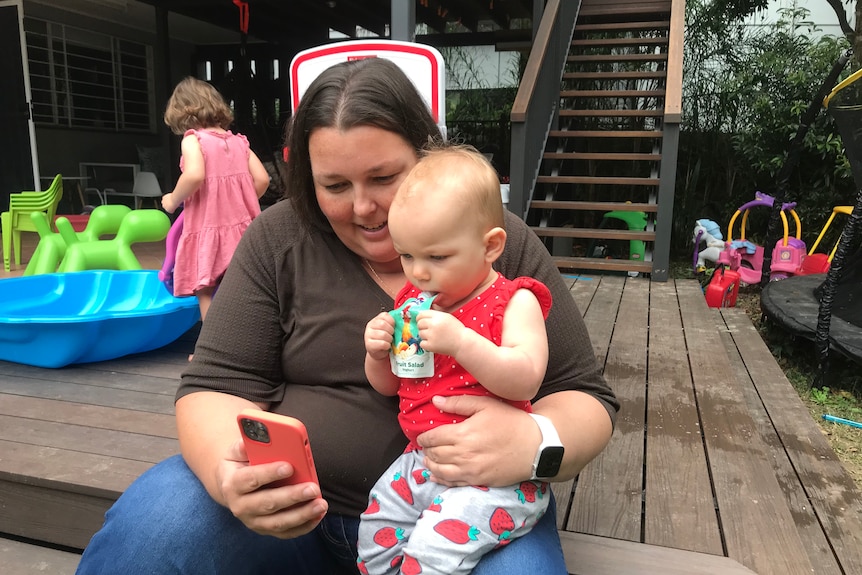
[54,320]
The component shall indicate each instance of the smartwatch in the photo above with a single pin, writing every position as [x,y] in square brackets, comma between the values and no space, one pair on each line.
[550,454]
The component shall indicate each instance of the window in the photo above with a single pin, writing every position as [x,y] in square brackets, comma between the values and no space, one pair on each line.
[85,79]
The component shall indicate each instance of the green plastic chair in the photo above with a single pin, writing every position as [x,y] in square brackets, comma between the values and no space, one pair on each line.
[18,219]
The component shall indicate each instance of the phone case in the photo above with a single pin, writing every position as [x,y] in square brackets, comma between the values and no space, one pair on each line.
[272,437]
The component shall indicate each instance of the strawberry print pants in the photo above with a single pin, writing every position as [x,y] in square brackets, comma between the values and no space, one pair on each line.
[413,525]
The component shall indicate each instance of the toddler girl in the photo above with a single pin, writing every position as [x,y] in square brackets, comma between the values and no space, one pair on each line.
[219,188]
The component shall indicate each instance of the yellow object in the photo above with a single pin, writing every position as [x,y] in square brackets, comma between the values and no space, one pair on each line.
[18,219]
[846,210]
[843,84]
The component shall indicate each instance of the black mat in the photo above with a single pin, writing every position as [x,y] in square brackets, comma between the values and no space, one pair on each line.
[792,304]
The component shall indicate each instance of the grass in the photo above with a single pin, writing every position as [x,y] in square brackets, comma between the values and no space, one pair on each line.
[838,393]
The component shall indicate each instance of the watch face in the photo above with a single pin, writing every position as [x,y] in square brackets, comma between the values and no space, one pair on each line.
[549,461]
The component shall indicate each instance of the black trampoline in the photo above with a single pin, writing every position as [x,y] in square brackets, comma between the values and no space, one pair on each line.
[826,308]
[793,303]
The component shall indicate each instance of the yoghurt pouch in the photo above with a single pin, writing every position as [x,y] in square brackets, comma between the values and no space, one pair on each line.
[407,357]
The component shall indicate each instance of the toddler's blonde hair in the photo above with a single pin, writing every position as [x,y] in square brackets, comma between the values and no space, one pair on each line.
[195,105]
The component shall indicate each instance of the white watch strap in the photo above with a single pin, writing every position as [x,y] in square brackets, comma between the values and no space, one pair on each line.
[550,437]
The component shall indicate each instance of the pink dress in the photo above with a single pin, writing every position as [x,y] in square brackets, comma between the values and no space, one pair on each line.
[217,214]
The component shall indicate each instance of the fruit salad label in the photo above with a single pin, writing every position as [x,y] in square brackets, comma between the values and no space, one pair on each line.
[407,357]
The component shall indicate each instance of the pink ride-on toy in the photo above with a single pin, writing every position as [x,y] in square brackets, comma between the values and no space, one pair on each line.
[789,252]
[745,257]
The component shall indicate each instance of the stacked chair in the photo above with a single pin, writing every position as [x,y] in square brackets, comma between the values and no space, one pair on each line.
[18,219]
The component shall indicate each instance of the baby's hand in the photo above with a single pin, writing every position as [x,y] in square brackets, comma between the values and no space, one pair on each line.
[378,336]
[440,332]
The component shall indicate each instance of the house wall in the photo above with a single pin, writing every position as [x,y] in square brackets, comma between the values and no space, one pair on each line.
[60,149]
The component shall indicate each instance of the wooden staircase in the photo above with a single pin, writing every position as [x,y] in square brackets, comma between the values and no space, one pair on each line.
[595,202]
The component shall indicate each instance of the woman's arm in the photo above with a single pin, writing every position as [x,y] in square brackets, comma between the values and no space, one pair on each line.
[583,425]
[207,429]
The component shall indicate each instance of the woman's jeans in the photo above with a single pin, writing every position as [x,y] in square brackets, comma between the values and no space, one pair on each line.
[167,523]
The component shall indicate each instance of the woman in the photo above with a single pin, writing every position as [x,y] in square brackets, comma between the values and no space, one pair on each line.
[286,334]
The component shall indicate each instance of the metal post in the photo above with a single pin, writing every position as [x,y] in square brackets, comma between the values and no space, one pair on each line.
[403,20]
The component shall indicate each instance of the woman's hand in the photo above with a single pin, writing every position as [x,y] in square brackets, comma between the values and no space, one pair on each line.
[283,512]
[494,446]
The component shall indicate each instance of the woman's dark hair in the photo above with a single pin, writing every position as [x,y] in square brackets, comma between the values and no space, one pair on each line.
[367,92]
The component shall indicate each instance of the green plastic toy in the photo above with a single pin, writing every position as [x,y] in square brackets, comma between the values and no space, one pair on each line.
[114,254]
[51,249]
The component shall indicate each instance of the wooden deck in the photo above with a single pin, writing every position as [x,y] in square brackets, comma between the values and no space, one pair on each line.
[715,465]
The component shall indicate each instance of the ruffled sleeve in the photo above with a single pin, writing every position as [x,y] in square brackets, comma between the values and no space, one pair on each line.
[542,293]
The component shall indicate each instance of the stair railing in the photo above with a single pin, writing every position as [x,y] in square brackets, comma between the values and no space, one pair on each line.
[670,142]
[536,106]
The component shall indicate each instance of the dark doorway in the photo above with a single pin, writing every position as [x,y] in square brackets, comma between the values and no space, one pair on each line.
[16,161]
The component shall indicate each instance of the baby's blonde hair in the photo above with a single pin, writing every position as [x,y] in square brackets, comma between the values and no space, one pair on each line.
[194,105]
[462,176]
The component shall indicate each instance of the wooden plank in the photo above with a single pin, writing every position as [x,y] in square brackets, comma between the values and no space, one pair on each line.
[594,555]
[596,233]
[599,319]
[831,492]
[613,507]
[46,514]
[583,290]
[95,416]
[618,42]
[85,439]
[38,377]
[601,315]
[613,58]
[610,156]
[611,113]
[649,134]
[594,206]
[610,181]
[675,516]
[69,471]
[20,558]
[88,394]
[758,527]
[623,26]
[601,264]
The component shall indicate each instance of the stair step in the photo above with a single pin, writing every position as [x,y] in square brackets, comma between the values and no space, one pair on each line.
[573,263]
[649,134]
[657,57]
[607,181]
[613,75]
[612,93]
[611,156]
[610,26]
[593,233]
[616,42]
[611,113]
[594,206]
[652,8]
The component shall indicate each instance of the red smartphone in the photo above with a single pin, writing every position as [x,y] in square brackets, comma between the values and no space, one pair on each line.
[272,437]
